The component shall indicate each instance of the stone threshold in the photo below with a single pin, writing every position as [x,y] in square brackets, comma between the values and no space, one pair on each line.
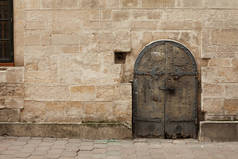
[90,130]
[218,131]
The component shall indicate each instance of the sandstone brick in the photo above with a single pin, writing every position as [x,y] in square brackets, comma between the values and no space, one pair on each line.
[120,15]
[29,4]
[231,106]
[213,105]
[46,92]
[43,77]
[126,91]
[74,112]
[91,4]
[112,4]
[221,4]
[139,15]
[129,3]
[213,75]
[41,111]
[144,25]
[105,93]
[7,89]
[158,3]
[3,77]
[83,93]
[36,25]
[106,14]
[59,4]
[220,62]
[9,115]
[225,37]
[180,25]
[190,4]
[213,90]
[15,75]
[32,37]
[123,110]
[65,39]
[231,91]
[14,102]
[67,3]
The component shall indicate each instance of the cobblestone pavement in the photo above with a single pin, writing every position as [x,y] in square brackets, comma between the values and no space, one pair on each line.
[51,148]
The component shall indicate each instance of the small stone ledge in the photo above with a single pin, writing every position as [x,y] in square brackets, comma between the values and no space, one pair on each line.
[218,131]
[67,130]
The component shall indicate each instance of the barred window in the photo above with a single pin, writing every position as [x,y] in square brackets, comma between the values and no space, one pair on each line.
[6,31]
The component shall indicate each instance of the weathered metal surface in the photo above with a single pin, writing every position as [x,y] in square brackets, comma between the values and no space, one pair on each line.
[165,92]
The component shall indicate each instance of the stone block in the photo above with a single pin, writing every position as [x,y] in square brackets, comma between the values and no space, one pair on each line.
[180,25]
[221,4]
[68,4]
[218,131]
[40,111]
[213,105]
[46,92]
[9,115]
[231,91]
[144,25]
[29,4]
[36,25]
[3,76]
[14,102]
[213,90]
[105,93]
[129,3]
[112,4]
[220,62]
[55,4]
[231,106]
[219,74]
[158,3]
[120,15]
[125,91]
[83,93]
[74,112]
[7,89]
[65,39]
[98,111]
[91,4]
[40,77]
[122,110]
[15,75]
[224,37]
[147,15]
[32,37]
[190,4]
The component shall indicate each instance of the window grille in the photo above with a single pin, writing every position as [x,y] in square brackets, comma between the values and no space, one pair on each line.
[6,28]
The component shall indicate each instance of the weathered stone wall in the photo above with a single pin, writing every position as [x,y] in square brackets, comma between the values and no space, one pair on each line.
[67,50]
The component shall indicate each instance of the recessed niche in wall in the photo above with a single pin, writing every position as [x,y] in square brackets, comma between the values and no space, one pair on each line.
[120,57]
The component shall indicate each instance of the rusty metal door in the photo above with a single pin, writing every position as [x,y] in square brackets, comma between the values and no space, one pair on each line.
[165,92]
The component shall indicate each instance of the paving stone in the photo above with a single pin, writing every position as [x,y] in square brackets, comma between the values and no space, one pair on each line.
[125,149]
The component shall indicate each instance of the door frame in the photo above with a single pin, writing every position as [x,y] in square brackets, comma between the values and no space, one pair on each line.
[134,84]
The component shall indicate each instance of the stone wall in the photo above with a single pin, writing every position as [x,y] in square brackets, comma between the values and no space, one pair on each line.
[67,50]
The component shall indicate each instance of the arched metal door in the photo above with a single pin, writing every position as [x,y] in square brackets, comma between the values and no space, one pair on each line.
[165,92]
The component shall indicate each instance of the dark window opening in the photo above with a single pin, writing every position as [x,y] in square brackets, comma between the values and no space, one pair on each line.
[6,31]
[120,57]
